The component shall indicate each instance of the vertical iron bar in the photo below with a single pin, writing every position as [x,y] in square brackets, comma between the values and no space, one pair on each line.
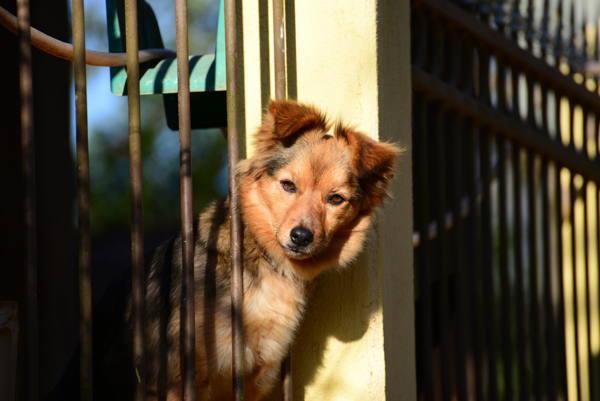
[438,187]
[188,350]
[486,227]
[503,242]
[521,324]
[135,167]
[476,272]
[457,192]
[279,49]
[572,201]
[550,327]
[586,273]
[424,251]
[473,222]
[279,56]
[438,177]
[524,382]
[487,265]
[549,316]
[573,198]
[534,335]
[561,341]
[234,131]
[533,276]
[28,154]
[585,116]
[83,195]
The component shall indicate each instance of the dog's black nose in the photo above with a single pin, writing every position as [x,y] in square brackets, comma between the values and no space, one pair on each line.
[301,236]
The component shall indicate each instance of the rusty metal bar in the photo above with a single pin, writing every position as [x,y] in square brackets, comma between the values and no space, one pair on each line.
[135,166]
[28,160]
[188,349]
[279,57]
[83,196]
[279,49]
[235,129]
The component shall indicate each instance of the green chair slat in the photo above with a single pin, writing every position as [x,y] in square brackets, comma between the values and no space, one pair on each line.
[207,72]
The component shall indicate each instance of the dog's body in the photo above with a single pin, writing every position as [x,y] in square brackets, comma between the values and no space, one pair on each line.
[307,201]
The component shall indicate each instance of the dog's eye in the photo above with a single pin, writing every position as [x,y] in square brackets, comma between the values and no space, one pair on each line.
[336,199]
[288,186]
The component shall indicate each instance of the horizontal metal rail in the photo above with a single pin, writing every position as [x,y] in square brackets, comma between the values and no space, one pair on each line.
[509,52]
[63,50]
[511,129]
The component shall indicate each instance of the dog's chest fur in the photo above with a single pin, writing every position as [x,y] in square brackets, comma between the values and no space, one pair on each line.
[273,308]
[273,303]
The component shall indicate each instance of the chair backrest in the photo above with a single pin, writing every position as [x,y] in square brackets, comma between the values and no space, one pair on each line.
[207,72]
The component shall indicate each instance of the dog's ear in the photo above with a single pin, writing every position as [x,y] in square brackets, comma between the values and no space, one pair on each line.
[284,121]
[373,163]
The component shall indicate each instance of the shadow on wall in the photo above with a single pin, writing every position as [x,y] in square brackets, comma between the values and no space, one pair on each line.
[343,318]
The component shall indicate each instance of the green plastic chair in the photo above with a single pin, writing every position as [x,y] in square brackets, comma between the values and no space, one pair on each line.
[207,72]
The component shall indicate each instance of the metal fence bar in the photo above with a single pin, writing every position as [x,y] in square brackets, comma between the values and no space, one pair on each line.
[547,268]
[135,166]
[188,327]
[279,57]
[442,253]
[279,49]
[424,255]
[28,160]
[83,195]
[462,332]
[234,130]
[532,264]
[572,202]
[561,340]
[457,188]
[558,168]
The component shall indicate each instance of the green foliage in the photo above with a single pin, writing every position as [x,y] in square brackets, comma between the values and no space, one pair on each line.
[160,149]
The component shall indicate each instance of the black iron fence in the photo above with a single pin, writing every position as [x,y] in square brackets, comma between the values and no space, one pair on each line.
[506,172]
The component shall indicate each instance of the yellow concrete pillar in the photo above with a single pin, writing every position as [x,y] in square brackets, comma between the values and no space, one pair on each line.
[352,59]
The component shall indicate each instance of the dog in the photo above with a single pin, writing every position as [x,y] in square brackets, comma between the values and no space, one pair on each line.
[307,199]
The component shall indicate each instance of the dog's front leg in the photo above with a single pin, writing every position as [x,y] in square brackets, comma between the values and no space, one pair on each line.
[260,383]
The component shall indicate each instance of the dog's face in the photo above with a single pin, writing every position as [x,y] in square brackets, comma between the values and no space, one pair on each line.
[309,192]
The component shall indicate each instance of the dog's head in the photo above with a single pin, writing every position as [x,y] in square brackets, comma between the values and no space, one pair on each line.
[309,191]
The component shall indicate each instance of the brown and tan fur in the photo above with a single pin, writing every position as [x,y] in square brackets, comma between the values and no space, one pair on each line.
[305,173]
